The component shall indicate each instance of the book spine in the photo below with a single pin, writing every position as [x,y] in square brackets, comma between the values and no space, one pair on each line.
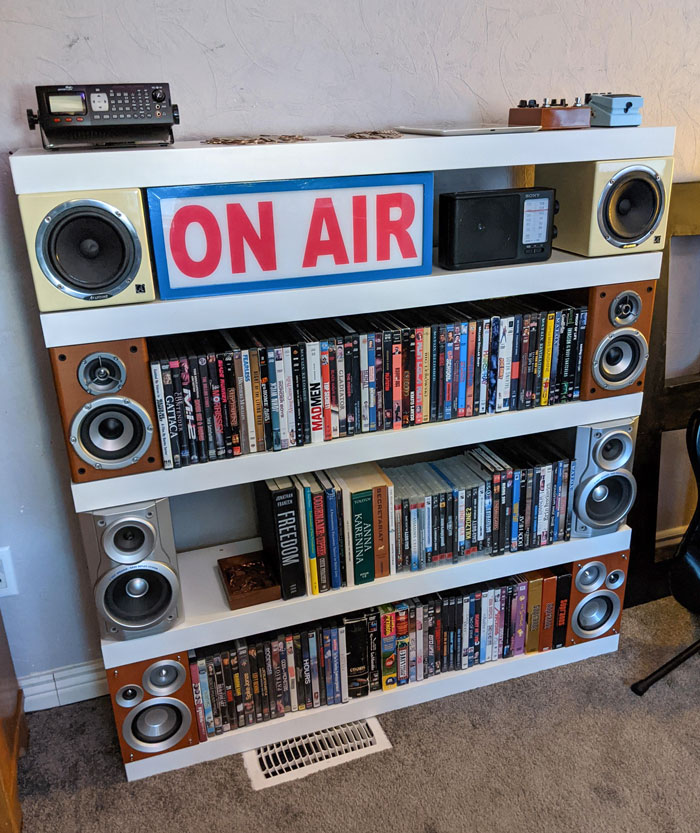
[396,380]
[335,652]
[287,531]
[333,377]
[363,543]
[333,538]
[371,384]
[291,672]
[242,405]
[419,375]
[342,391]
[325,390]
[249,407]
[159,399]
[328,667]
[379,378]
[303,382]
[321,540]
[315,390]
[197,697]
[387,624]
[276,406]
[515,364]
[343,655]
[547,358]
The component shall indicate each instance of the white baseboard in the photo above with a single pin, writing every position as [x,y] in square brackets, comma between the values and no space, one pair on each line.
[62,686]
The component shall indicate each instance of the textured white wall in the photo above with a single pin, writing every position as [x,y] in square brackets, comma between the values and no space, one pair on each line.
[238,67]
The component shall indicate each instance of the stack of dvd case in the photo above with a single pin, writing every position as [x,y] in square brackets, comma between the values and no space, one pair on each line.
[229,392]
[326,663]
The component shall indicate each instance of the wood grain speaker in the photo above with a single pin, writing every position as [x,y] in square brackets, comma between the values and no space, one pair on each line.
[106,401]
[616,348]
[597,597]
[153,706]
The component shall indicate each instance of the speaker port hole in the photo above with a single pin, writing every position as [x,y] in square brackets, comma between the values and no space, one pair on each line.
[650,289]
[133,349]
[81,471]
[62,357]
[639,383]
[603,294]
[151,459]
[593,390]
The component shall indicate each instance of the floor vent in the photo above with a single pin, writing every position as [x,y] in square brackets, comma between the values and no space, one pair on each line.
[296,758]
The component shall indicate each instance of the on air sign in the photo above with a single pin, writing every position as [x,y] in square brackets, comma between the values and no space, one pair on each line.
[219,239]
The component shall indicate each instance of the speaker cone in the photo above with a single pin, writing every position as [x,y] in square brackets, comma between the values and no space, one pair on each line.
[164,677]
[88,249]
[595,614]
[137,597]
[129,540]
[590,577]
[620,358]
[631,206]
[615,579]
[606,498]
[129,695]
[111,433]
[101,373]
[625,308]
[613,450]
[156,724]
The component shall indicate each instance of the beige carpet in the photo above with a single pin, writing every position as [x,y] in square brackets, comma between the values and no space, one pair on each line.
[563,751]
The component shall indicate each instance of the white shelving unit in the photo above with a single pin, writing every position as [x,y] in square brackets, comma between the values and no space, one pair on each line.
[299,723]
[562,271]
[205,617]
[379,445]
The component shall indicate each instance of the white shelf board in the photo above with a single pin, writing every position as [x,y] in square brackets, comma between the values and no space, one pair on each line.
[295,724]
[380,445]
[562,271]
[193,163]
[207,619]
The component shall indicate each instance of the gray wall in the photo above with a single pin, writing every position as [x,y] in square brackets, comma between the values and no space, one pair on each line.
[238,67]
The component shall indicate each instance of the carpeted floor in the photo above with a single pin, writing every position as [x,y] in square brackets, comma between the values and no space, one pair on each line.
[564,751]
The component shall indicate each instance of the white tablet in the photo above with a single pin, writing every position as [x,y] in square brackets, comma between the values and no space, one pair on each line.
[470,129]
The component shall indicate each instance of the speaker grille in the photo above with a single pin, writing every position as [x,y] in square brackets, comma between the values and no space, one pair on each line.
[156,725]
[620,358]
[595,614]
[631,206]
[88,249]
[111,433]
[101,373]
[606,498]
[138,597]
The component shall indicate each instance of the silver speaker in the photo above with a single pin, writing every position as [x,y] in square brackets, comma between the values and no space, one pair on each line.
[620,358]
[133,567]
[111,433]
[595,614]
[604,487]
[101,373]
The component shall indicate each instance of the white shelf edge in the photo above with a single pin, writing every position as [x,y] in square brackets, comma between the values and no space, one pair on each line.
[116,491]
[207,619]
[299,723]
[562,271]
[193,163]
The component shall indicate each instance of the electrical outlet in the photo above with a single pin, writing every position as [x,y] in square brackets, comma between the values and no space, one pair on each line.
[8,582]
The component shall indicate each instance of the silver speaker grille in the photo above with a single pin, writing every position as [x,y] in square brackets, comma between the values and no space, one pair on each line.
[111,432]
[156,725]
[101,373]
[595,614]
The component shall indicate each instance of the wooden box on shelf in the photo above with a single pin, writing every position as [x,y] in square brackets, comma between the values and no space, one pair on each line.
[248,581]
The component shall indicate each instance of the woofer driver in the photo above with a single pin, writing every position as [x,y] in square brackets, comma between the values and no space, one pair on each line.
[606,498]
[620,358]
[111,432]
[88,249]
[631,205]
[139,596]
[595,614]
[156,724]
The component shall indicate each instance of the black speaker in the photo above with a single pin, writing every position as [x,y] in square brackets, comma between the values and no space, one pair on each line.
[492,228]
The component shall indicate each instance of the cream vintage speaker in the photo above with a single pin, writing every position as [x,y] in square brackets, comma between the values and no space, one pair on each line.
[153,706]
[596,599]
[604,486]
[612,207]
[87,248]
[133,568]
